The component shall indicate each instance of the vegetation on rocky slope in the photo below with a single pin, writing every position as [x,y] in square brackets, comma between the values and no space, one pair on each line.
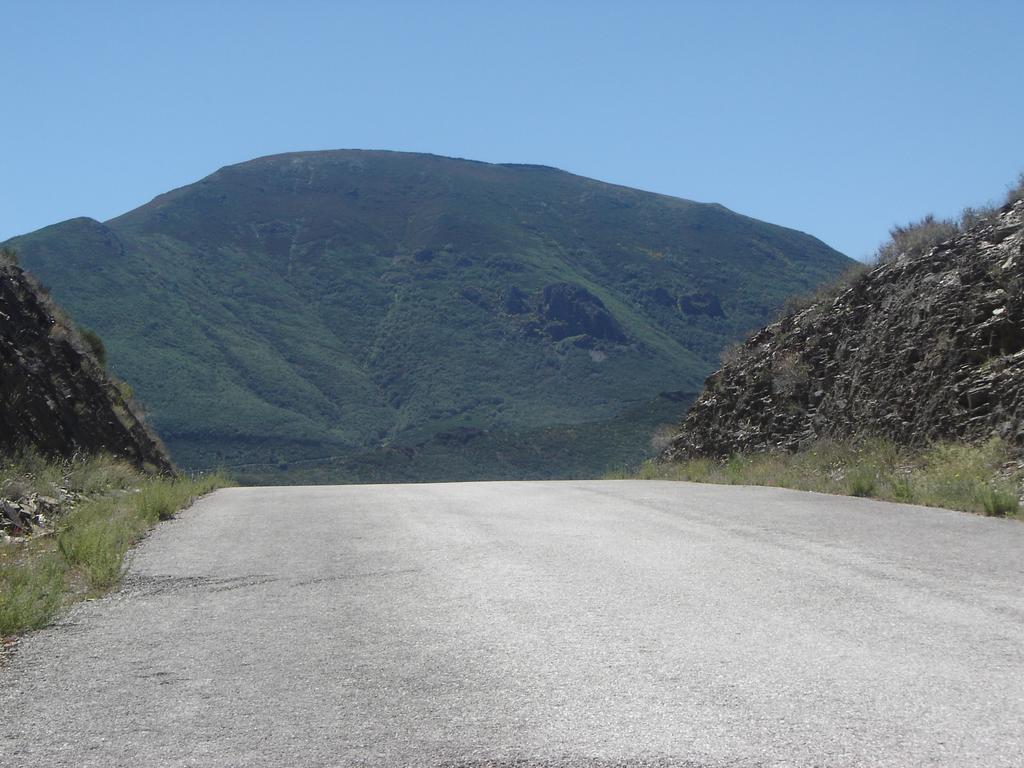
[921,348]
[919,237]
[904,381]
[345,304]
[911,240]
[65,528]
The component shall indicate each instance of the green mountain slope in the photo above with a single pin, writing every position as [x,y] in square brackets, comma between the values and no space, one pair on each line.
[333,303]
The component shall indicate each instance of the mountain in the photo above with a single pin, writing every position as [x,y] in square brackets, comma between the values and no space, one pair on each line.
[327,306]
[927,346]
[57,399]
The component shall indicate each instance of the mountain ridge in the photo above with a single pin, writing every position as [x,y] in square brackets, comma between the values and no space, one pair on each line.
[310,303]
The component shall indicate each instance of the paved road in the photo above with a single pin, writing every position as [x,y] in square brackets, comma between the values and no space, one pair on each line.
[603,624]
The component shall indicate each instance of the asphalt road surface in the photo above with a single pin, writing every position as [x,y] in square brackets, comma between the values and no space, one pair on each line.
[619,623]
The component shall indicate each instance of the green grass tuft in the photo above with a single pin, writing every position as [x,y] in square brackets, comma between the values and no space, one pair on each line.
[1000,500]
[30,593]
[861,480]
[101,475]
[95,537]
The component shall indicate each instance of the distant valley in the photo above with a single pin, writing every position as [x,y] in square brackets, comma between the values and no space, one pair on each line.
[371,316]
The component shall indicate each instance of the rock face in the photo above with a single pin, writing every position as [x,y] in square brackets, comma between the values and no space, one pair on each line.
[55,396]
[572,310]
[918,349]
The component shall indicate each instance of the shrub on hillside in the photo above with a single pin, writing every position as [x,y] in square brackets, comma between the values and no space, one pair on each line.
[916,238]
[971,216]
[1016,191]
[913,239]
[95,345]
[732,354]
[789,374]
[794,305]
[662,437]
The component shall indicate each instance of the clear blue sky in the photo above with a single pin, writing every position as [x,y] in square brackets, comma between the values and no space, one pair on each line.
[839,121]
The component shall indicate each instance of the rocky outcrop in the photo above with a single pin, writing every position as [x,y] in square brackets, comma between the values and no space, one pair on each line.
[557,312]
[701,304]
[917,349]
[56,398]
[33,512]
[691,304]
[568,309]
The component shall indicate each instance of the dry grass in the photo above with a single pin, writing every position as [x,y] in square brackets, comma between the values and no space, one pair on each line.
[971,478]
[918,237]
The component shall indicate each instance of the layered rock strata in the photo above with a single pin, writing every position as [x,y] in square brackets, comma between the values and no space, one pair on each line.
[918,349]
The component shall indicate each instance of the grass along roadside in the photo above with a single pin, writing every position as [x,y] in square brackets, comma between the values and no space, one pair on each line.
[96,509]
[973,478]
